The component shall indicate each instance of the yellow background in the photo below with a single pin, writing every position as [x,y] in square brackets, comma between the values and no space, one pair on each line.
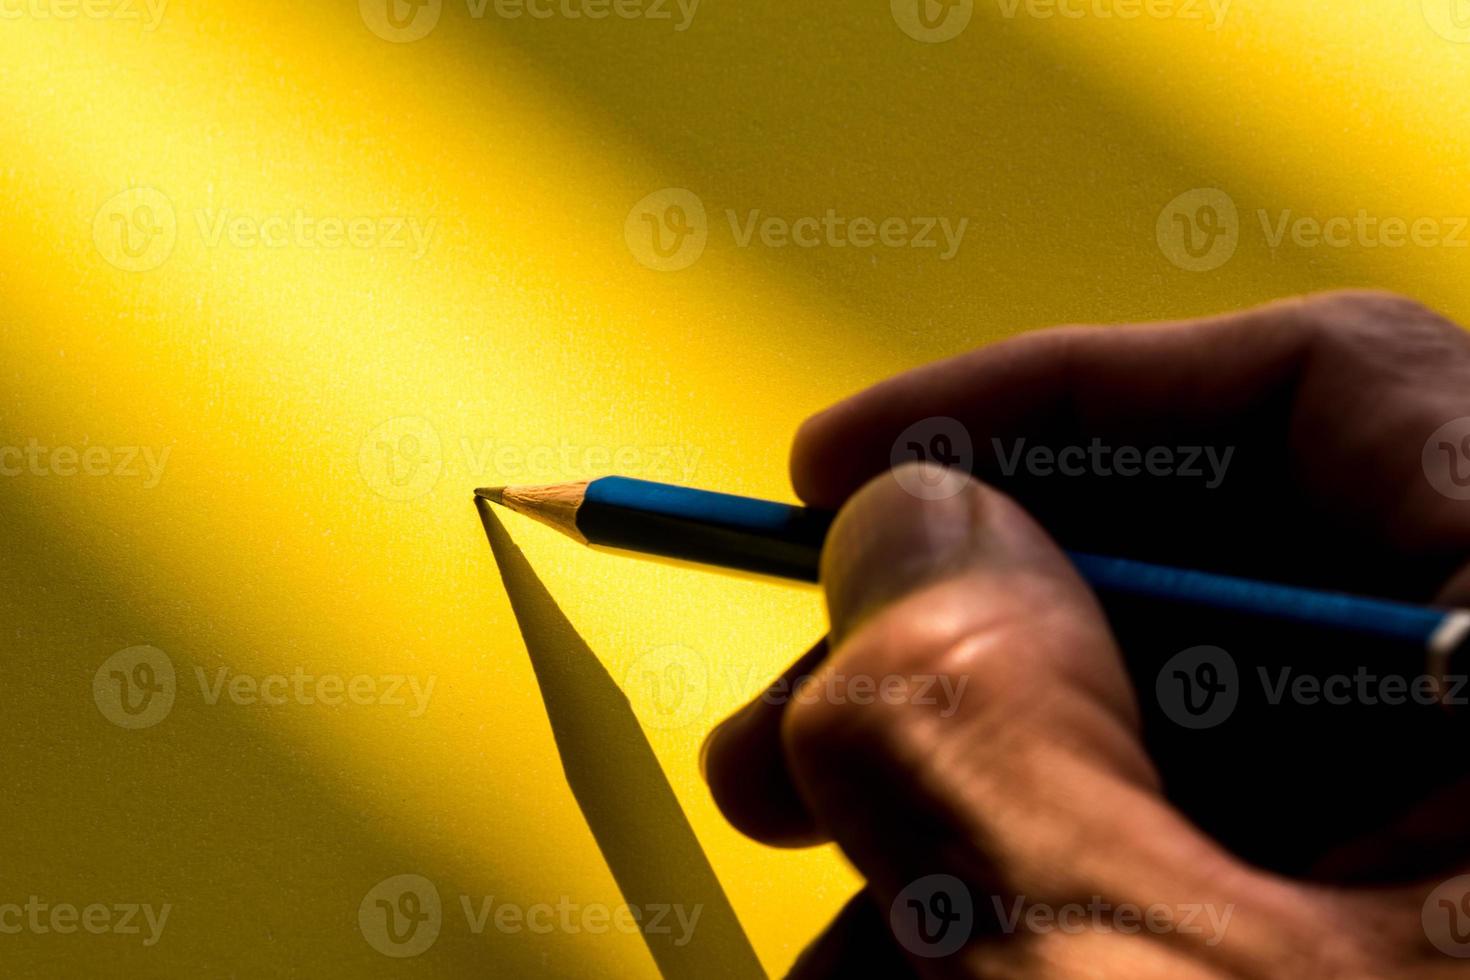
[282,381]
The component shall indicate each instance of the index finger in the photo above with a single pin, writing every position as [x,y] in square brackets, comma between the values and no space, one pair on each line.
[1319,408]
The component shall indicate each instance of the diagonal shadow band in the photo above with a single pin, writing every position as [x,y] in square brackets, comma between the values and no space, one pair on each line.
[630,807]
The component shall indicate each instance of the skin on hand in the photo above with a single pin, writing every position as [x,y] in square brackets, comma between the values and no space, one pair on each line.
[972,737]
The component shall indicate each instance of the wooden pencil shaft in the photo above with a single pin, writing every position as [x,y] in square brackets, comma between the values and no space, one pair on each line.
[555,505]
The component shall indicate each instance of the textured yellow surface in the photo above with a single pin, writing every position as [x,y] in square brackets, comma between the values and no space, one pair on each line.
[484,311]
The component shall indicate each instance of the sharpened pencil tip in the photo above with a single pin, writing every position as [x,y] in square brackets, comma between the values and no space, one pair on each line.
[495,495]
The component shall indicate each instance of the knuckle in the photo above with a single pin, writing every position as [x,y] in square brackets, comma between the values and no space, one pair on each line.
[896,684]
[1374,320]
[1381,300]
[1381,339]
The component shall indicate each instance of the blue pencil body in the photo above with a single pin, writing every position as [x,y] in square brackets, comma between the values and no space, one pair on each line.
[776,539]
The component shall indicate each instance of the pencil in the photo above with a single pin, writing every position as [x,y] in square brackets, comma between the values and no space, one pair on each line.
[768,538]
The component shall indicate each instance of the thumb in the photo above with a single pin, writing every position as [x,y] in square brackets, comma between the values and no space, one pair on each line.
[1001,747]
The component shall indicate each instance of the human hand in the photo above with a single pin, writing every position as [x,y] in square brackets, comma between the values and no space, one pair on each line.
[1044,782]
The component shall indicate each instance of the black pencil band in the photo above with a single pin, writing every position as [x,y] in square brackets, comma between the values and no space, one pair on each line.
[709,528]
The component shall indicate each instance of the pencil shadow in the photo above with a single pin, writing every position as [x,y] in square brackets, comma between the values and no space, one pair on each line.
[630,807]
